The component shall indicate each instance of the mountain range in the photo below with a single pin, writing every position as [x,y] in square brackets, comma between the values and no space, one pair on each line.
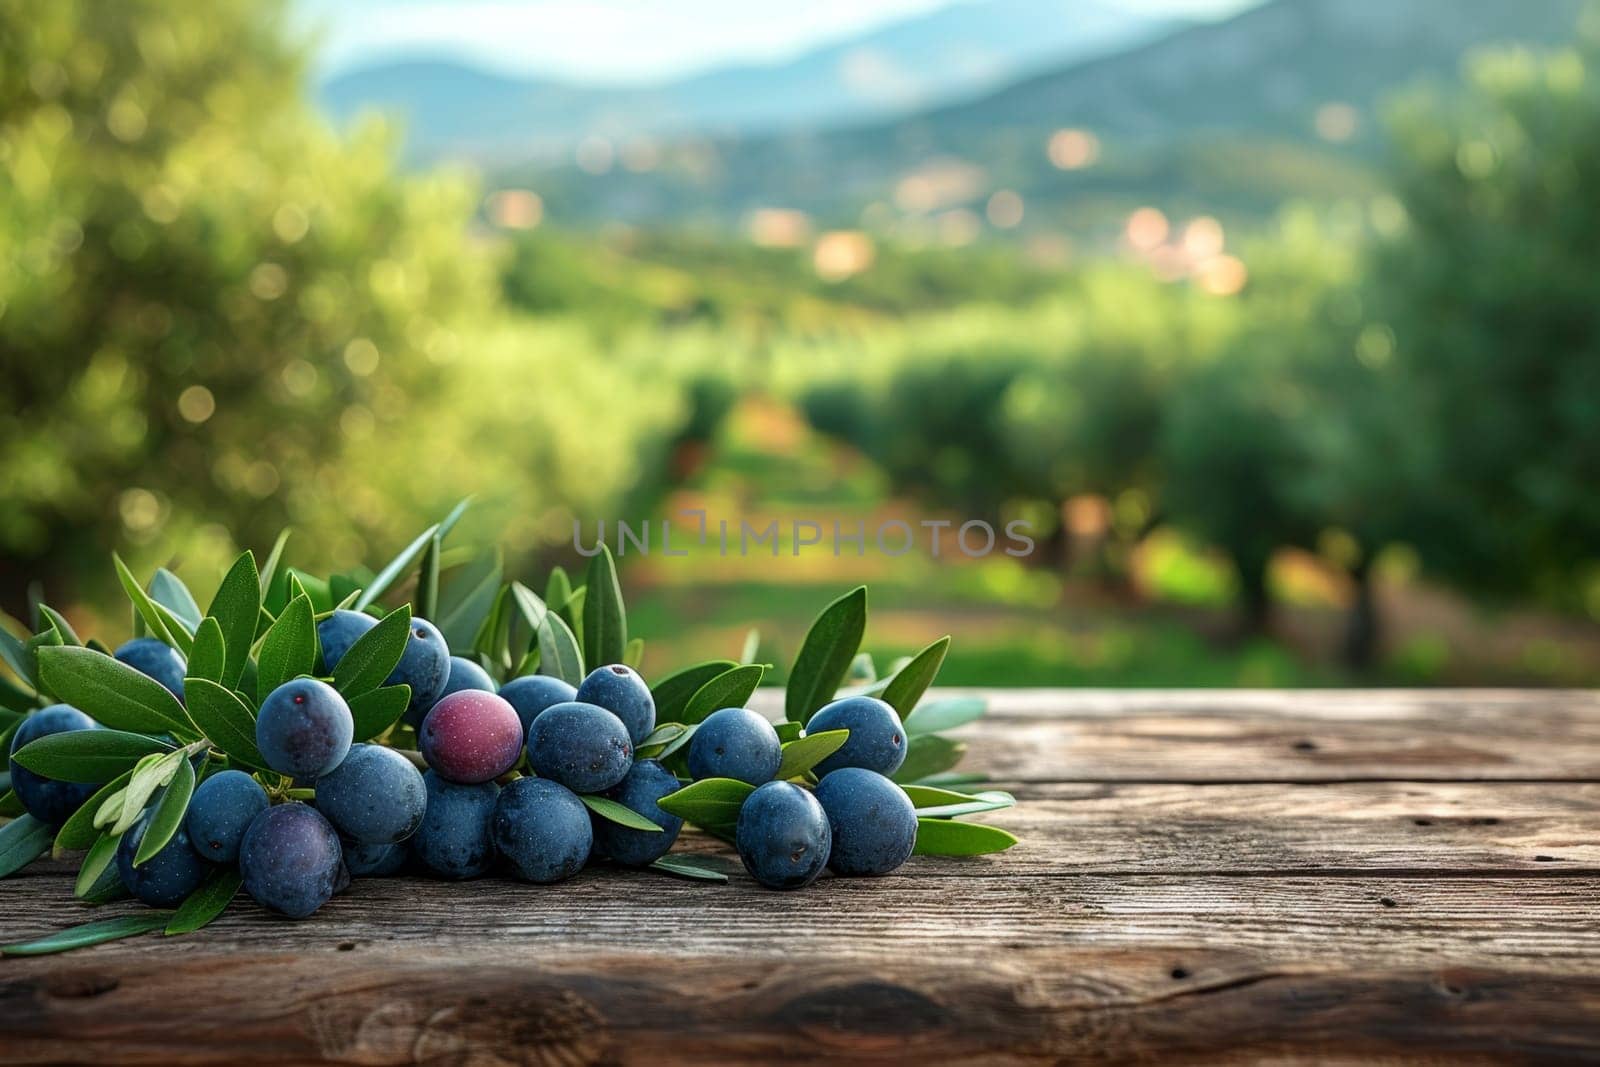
[1230,118]
[454,110]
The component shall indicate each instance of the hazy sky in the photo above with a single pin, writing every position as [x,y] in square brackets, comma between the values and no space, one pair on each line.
[620,40]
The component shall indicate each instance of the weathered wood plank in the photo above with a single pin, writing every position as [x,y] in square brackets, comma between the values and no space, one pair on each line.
[1273,736]
[1026,968]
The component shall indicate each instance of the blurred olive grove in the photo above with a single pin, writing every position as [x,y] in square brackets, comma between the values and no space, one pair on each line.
[218,317]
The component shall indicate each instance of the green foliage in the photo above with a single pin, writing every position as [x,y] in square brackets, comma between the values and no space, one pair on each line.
[825,656]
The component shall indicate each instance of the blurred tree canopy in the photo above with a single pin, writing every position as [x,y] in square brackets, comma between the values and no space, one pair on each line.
[217,316]
[1429,375]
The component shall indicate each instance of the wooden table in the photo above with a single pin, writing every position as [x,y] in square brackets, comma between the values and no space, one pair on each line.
[1350,876]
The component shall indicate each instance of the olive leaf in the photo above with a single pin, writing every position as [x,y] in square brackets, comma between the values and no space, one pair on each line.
[289,648]
[800,755]
[386,577]
[269,569]
[111,692]
[908,684]
[928,754]
[207,902]
[712,804]
[89,756]
[142,602]
[22,840]
[69,636]
[694,868]
[559,654]
[91,933]
[167,815]
[428,579]
[208,659]
[374,656]
[237,609]
[672,693]
[168,590]
[730,689]
[825,656]
[946,837]
[378,709]
[467,599]
[605,620]
[932,802]
[225,720]
[617,813]
[95,862]
[940,715]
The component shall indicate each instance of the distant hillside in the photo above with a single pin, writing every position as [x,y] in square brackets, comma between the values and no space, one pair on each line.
[1229,117]
[459,111]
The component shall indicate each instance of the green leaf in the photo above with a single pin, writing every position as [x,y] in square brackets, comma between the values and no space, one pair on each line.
[374,656]
[111,692]
[653,743]
[269,569]
[79,829]
[16,656]
[22,840]
[928,754]
[571,610]
[237,608]
[428,580]
[450,520]
[386,577]
[142,604]
[493,640]
[151,774]
[92,933]
[802,755]
[528,605]
[634,653]
[11,804]
[789,731]
[168,590]
[182,640]
[290,647]
[106,888]
[830,645]
[672,693]
[95,862]
[684,867]
[943,715]
[207,902]
[69,636]
[88,756]
[49,638]
[861,669]
[378,709]
[946,837]
[225,720]
[617,813]
[208,658]
[730,689]
[468,598]
[677,742]
[168,813]
[558,650]
[605,620]
[945,804]
[752,645]
[712,803]
[557,588]
[912,680]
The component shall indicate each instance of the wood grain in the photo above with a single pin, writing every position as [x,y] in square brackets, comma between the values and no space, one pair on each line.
[1397,905]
